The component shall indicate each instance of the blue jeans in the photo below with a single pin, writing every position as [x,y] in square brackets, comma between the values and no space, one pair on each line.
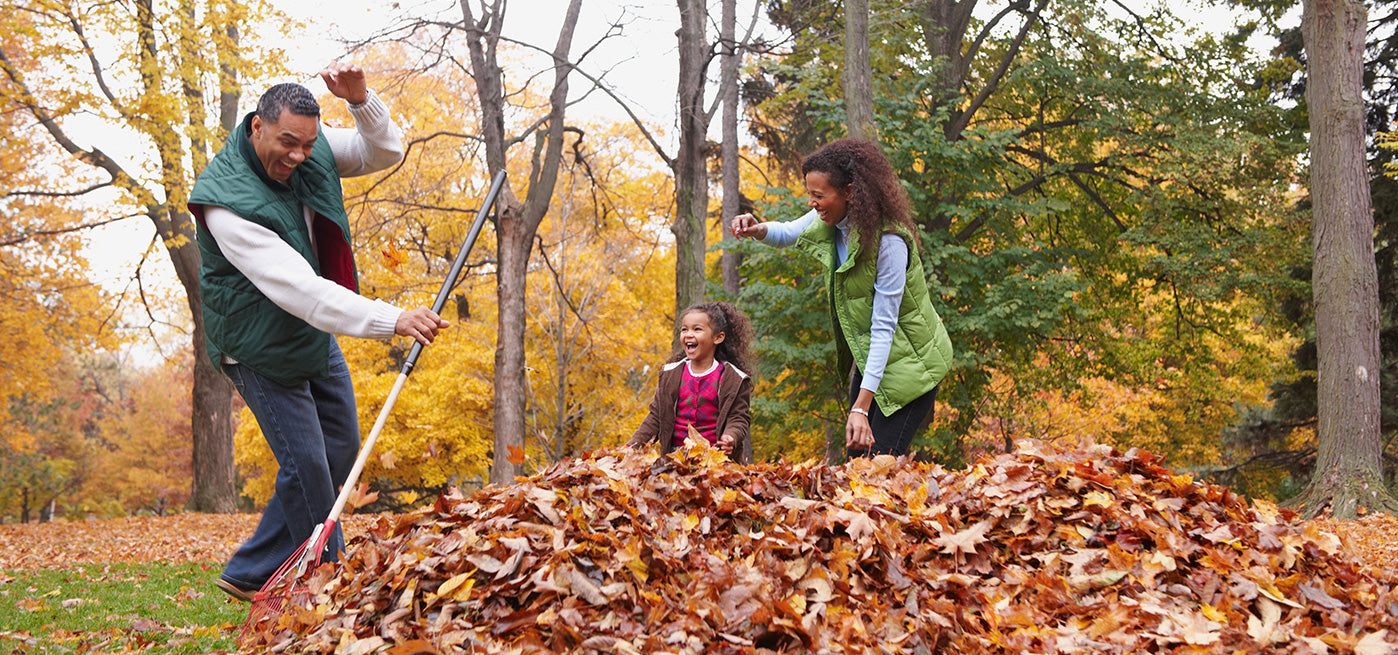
[313,430]
[893,433]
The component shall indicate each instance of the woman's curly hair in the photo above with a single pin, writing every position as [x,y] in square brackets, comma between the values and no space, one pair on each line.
[877,200]
[736,327]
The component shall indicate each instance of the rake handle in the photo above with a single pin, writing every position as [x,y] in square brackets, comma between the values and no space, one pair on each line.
[460,263]
[322,531]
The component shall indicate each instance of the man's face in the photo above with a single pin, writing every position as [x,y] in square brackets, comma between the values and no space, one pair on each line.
[283,145]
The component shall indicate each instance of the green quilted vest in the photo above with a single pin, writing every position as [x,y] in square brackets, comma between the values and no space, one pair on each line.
[921,352]
[239,321]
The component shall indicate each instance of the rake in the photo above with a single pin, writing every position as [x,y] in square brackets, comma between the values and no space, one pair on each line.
[286,587]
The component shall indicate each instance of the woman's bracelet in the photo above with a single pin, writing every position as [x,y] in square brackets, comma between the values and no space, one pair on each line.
[856,410]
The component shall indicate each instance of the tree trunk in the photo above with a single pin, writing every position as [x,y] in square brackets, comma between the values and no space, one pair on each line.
[1348,474]
[211,417]
[834,444]
[729,161]
[210,424]
[690,163]
[215,481]
[858,74]
[193,91]
[946,35]
[229,89]
[517,222]
[514,247]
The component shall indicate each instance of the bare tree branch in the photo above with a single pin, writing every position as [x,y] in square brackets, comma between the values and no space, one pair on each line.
[956,126]
[34,234]
[97,67]
[59,194]
[94,157]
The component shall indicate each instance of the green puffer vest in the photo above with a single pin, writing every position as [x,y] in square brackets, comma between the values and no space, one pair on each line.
[239,321]
[921,352]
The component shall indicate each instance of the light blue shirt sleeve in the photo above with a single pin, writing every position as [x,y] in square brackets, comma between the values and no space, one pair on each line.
[782,234]
[889,280]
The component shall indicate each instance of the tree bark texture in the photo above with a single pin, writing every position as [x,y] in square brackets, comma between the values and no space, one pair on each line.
[729,157]
[229,88]
[690,163]
[858,74]
[193,90]
[517,221]
[511,391]
[944,24]
[212,394]
[214,488]
[1348,473]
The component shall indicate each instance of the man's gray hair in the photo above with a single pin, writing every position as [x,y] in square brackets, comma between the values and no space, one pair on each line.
[290,96]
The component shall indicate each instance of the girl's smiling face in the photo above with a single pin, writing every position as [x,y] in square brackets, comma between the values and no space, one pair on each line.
[698,338]
[828,201]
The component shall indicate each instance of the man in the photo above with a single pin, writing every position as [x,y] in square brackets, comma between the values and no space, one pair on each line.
[278,280]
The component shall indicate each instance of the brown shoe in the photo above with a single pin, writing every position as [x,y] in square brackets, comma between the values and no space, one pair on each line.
[235,591]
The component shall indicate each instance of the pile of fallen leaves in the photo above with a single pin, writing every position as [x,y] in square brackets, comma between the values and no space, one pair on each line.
[1038,550]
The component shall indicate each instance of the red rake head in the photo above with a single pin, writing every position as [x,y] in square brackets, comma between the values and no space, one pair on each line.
[268,609]
[286,588]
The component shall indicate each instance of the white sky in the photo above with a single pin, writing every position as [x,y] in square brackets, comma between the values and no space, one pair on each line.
[641,63]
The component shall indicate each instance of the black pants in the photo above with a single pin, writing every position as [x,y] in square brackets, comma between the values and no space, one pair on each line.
[893,433]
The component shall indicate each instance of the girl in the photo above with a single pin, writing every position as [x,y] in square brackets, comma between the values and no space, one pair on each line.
[704,388]
[859,227]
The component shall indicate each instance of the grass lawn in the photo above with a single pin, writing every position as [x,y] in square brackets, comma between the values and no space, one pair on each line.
[117,608]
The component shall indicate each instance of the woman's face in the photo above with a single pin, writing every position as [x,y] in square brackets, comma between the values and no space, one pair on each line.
[828,201]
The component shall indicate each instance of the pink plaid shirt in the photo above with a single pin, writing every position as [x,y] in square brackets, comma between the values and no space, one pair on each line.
[698,403]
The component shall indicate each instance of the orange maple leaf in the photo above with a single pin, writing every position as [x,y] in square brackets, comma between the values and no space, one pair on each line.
[516,455]
[361,496]
[392,256]
[964,541]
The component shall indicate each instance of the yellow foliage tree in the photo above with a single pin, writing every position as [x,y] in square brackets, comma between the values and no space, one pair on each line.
[145,462]
[136,96]
[1181,412]
[51,312]
[599,305]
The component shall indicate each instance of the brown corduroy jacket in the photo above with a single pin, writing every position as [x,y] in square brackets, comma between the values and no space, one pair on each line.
[734,394]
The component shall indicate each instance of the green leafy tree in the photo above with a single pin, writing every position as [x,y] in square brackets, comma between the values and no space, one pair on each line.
[1097,200]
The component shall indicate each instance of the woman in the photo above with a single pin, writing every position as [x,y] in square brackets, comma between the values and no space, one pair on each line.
[885,323]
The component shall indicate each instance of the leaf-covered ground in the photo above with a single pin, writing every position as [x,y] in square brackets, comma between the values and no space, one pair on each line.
[1038,551]
[174,539]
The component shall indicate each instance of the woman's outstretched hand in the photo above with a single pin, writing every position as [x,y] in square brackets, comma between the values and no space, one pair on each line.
[858,434]
[747,225]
